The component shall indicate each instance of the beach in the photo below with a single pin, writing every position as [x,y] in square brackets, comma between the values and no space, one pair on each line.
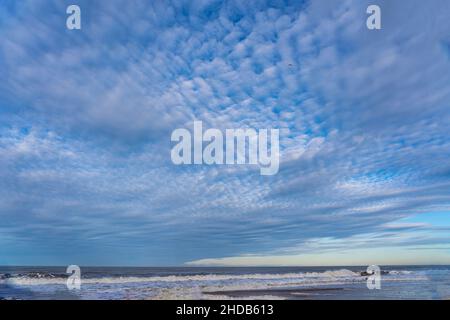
[178,283]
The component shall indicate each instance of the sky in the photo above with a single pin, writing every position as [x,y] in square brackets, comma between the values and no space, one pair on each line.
[86,118]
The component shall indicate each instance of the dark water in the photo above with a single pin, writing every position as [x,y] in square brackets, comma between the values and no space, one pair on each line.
[399,282]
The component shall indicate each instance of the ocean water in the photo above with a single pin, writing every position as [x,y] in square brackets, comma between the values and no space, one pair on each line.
[399,282]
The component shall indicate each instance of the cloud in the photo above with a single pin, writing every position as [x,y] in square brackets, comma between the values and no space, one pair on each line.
[86,118]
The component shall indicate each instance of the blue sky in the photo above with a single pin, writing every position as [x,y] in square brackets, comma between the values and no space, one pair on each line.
[86,117]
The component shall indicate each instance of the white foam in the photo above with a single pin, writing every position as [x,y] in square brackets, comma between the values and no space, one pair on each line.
[327,275]
[198,286]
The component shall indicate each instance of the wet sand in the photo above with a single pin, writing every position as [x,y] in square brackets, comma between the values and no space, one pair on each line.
[296,293]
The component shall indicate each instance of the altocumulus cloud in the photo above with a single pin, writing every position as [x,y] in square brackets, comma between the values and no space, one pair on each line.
[86,117]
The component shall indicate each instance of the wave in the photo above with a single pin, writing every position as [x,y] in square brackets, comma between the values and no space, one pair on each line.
[201,286]
[33,275]
[343,275]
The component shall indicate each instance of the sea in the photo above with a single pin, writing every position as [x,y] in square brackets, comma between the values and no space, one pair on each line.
[226,283]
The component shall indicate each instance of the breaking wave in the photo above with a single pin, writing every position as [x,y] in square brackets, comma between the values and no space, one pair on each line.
[343,275]
[191,286]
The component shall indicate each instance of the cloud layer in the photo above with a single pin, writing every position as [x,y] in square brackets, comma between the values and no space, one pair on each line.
[86,117]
